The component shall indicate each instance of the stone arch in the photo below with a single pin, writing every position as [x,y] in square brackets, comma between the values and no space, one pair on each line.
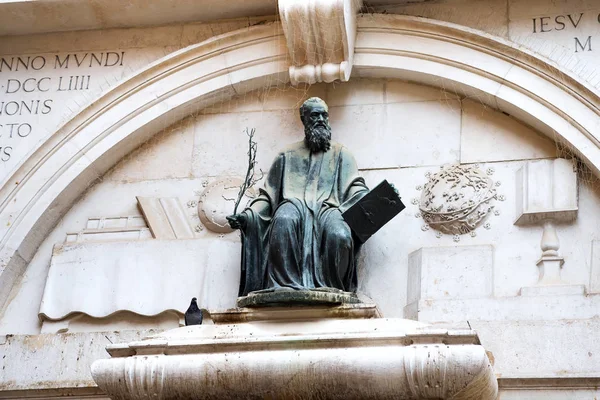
[431,52]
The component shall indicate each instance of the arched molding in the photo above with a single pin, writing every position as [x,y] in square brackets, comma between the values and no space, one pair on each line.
[477,65]
[496,72]
[38,194]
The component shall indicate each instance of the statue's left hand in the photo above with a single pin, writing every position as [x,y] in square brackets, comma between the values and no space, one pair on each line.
[395,190]
[238,221]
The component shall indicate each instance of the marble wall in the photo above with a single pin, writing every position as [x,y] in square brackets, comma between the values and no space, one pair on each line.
[565,31]
[397,130]
[46,79]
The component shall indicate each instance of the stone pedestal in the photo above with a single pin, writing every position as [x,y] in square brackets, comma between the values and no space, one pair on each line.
[295,314]
[284,296]
[335,353]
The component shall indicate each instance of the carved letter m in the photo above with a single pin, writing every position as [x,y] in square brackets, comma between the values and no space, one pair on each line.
[588,44]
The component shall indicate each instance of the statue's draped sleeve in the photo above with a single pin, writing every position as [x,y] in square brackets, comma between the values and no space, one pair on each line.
[351,187]
[254,236]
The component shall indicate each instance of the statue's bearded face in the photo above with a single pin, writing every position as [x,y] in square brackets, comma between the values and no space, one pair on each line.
[316,128]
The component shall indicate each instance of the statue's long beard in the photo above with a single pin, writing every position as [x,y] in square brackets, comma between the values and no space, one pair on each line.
[318,138]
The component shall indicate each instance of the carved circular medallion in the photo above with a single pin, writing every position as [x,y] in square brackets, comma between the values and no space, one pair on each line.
[217,202]
[457,199]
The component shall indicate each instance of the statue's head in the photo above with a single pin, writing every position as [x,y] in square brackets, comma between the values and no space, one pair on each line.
[314,114]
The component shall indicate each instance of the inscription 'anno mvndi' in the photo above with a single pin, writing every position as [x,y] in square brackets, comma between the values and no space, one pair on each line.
[29,86]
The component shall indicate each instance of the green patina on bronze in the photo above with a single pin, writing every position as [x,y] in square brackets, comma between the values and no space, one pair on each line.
[293,233]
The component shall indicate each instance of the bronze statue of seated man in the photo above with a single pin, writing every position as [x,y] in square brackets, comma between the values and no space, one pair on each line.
[293,233]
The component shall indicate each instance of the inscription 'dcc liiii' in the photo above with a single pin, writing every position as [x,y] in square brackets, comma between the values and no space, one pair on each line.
[31,85]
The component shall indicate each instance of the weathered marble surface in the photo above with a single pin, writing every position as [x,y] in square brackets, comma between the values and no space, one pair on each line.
[179,162]
[570,34]
[347,359]
[320,37]
[513,72]
[76,352]
[382,116]
[145,277]
[49,366]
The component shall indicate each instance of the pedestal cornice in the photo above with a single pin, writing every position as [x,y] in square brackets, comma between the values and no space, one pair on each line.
[319,359]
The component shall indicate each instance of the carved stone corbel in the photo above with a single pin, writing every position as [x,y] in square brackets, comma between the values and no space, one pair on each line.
[320,36]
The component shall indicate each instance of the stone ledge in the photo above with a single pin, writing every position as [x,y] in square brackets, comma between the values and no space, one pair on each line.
[74,393]
[296,335]
[345,311]
[289,297]
[327,359]
[49,366]
[573,382]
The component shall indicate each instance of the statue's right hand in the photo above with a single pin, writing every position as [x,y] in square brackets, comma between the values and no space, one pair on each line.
[238,221]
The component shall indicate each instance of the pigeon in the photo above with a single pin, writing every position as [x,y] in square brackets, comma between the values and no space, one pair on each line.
[193,315]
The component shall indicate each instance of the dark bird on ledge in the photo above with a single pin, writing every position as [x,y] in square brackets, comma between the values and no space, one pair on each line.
[193,315]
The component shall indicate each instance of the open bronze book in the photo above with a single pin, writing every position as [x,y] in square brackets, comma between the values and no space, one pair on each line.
[373,211]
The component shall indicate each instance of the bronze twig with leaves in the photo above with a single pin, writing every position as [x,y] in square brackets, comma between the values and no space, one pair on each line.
[249,180]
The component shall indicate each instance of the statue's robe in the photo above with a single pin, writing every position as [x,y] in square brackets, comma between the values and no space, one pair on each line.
[295,235]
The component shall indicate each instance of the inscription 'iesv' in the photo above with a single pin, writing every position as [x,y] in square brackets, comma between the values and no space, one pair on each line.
[29,86]
[567,22]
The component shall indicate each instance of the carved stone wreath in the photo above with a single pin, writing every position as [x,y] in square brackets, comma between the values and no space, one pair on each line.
[457,199]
